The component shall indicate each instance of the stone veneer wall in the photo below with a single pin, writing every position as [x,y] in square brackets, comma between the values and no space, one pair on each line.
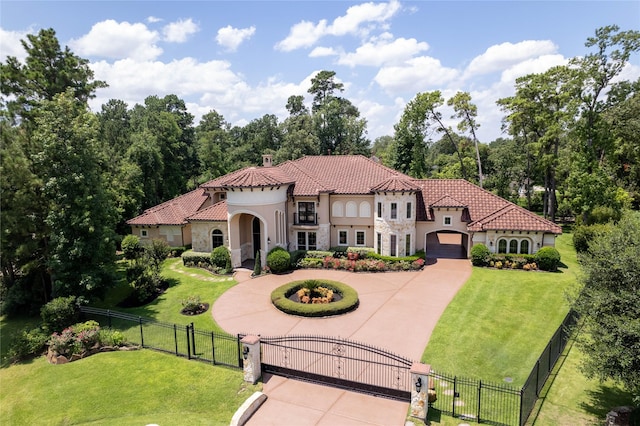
[201,235]
[400,226]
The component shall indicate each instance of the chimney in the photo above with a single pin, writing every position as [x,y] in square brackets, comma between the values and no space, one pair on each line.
[266,160]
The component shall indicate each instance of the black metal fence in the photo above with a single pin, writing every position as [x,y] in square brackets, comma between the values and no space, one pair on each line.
[476,400]
[500,404]
[180,340]
[469,399]
[545,364]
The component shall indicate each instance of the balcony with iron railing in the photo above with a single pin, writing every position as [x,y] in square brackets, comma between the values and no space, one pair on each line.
[305,219]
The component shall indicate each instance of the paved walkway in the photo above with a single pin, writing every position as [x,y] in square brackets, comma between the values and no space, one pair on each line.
[397,312]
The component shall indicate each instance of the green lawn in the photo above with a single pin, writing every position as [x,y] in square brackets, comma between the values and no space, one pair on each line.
[139,387]
[501,320]
[121,388]
[572,399]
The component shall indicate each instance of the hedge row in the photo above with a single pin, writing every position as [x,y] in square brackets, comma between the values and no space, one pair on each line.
[546,259]
[349,301]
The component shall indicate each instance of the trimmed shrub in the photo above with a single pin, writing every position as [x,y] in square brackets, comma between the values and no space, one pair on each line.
[197,259]
[177,251]
[279,260]
[131,247]
[319,254]
[109,337]
[480,255]
[297,255]
[548,259]
[280,298]
[257,266]
[27,344]
[220,257]
[60,313]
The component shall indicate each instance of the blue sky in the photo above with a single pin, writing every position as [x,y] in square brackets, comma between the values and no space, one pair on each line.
[245,58]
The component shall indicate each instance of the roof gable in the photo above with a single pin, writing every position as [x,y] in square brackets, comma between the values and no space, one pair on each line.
[215,213]
[251,177]
[174,211]
[514,217]
[396,183]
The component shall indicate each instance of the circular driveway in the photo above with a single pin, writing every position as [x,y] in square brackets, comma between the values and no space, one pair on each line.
[397,311]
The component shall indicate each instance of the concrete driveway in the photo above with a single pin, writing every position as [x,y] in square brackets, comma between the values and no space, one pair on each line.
[397,312]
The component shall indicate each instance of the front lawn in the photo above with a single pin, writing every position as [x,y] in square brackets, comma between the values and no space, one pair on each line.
[138,387]
[501,320]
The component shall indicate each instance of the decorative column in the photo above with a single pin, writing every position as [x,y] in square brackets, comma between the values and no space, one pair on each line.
[419,390]
[251,358]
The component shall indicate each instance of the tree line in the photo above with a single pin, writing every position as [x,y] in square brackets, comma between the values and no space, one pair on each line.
[70,178]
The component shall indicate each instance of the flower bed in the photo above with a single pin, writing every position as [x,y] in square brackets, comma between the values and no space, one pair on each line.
[81,340]
[360,261]
[345,298]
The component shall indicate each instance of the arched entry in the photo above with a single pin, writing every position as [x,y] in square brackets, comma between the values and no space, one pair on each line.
[246,237]
[446,244]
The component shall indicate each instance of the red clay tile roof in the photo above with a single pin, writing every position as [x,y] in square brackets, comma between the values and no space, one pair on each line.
[396,183]
[514,217]
[215,213]
[172,212]
[447,201]
[339,174]
[485,208]
[251,177]
[354,174]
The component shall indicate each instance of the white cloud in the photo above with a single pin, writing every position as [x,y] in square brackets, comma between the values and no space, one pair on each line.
[179,31]
[383,51]
[10,44]
[319,52]
[358,20]
[153,19]
[501,56]
[531,66]
[415,75]
[302,34]
[118,40]
[230,38]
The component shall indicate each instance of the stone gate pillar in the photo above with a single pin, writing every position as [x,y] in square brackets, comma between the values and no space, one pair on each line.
[419,390]
[251,358]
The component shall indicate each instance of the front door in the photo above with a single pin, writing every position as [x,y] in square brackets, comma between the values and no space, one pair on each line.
[256,236]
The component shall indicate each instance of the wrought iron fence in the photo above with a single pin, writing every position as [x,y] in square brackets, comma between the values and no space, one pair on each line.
[470,399]
[181,340]
[475,400]
[545,364]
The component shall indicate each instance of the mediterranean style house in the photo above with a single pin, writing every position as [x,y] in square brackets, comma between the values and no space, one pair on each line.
[318,202]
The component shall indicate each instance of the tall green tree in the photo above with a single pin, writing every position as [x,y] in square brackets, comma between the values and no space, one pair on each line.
[212,141]
[609,305]
[467,113]
[81,216]
[47,71]
[419,121]
[298,136]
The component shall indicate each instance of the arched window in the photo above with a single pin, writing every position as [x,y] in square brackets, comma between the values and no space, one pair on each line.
[216,238]
[524,246]
[365,209]
[337,210]
[513,246]
[352,209]
[502,246]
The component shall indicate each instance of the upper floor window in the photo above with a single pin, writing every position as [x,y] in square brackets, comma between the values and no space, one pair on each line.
[379,209]
[307,212]
[352,209]
[365,209]
[409,210]
[394,210]
[447,221]
[337,209]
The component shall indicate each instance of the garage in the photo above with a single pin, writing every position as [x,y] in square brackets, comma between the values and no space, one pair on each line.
[447,245]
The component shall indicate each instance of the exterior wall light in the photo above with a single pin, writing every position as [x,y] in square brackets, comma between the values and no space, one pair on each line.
[245,352]
[418,384]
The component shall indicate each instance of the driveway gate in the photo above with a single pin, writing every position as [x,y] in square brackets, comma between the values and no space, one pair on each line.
[339,363]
